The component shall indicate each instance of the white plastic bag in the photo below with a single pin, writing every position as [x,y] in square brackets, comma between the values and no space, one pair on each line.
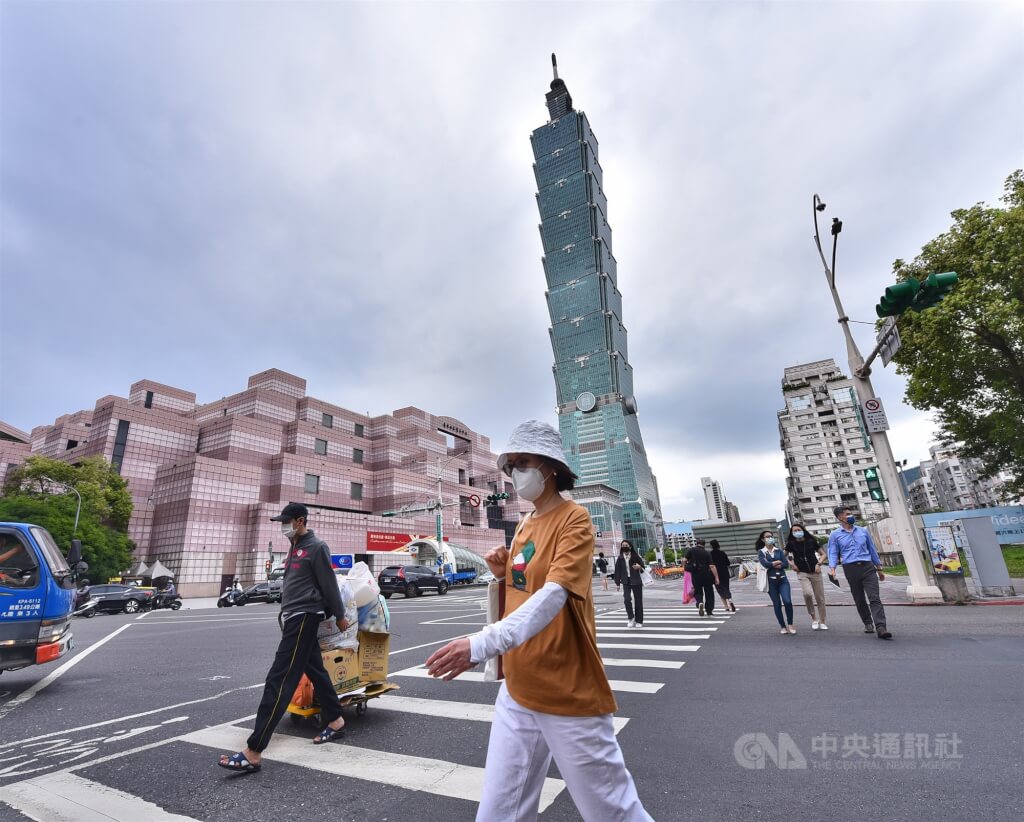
[327,633]
[364,586]
[646,578]
[375,617]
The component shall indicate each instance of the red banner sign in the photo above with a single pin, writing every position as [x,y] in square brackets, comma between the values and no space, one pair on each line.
[383,541]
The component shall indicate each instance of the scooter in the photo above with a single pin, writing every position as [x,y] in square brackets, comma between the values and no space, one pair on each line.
[162,601]
[231,597]
[86,609]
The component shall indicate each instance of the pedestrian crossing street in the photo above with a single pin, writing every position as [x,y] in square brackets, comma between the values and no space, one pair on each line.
[643,661]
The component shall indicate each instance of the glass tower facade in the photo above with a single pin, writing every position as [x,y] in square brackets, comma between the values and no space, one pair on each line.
[597,411]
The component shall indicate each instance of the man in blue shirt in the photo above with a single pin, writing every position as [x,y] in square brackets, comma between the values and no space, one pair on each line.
[850,545]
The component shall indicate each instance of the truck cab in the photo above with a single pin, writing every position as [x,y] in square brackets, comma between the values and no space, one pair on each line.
[37,596]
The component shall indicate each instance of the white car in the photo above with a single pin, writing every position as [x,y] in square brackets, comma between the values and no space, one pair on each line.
[485,578]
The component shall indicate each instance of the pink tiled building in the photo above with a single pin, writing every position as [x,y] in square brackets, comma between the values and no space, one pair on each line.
[207,478]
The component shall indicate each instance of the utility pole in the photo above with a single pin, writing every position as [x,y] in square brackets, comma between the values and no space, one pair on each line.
[74,491]
[909,540]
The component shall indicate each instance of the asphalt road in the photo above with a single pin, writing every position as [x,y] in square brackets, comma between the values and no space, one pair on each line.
[845,726]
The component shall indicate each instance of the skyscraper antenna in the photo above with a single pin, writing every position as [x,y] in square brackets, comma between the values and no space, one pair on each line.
[554,64]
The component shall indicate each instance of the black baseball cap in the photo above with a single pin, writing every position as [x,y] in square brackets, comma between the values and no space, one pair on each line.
[293,510]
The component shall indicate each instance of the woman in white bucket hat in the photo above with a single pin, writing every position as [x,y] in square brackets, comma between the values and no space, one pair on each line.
[555,702]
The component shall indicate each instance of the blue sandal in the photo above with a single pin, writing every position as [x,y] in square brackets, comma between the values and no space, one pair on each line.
[238,762]
[328,734]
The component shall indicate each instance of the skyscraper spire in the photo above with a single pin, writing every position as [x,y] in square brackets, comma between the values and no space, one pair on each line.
[559,101]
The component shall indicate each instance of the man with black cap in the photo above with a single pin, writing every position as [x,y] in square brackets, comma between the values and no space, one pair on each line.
[309,594]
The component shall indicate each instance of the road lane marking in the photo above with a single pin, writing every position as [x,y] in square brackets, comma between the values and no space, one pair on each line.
[65,796]
[427,644]
[626,686]
[645,627]
[51,677]
[415,773]
[191,621]
[674,664]
[640,647]
[605,635]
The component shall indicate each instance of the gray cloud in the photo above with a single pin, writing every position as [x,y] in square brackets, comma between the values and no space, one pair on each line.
[195,192]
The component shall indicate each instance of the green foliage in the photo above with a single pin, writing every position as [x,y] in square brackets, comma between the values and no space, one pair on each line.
[108,551]
[650,556]
[106,509]
[965,356]
[104,492]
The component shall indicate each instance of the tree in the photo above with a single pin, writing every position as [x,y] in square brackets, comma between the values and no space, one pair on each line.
[106,509]
[965,356]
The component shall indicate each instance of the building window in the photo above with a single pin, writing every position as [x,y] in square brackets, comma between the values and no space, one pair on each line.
[321,447]
[149,399]
[360,430]
[71,444]
[356,491]
[328,421]
[462,476]
[117,457]
[312,484]
[357,456]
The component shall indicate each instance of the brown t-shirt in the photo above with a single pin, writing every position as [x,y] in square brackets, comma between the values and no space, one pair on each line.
[558,671]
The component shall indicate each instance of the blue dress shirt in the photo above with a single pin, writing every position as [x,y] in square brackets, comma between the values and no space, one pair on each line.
[851,546]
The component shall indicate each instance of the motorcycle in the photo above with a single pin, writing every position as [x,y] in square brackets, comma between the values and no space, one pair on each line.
[231,596]
[164,601]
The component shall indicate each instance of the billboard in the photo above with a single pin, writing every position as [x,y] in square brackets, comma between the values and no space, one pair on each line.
[385,541]
[942,550]
[1007,521]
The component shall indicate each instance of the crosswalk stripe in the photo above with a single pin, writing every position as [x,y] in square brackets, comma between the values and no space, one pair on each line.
[683,628]
[625,686]
[474,711]
[674,664]
[642,647]
[604,622]
[606,635]
[415,773]
[64,796]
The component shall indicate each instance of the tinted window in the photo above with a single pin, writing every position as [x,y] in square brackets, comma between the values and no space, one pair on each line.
[18,565]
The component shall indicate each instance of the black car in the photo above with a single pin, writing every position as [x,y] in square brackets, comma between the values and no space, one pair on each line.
[116,599]
[410,580]
[264,591]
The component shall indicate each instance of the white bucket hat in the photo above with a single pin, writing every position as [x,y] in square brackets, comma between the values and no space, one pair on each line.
[538,438]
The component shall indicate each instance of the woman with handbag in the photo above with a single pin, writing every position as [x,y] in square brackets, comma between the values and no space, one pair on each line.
[555,701]
[628,573]
[773,560]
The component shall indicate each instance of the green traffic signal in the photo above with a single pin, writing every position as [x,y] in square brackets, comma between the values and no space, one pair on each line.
[874,484]
[897,298]
[934,289]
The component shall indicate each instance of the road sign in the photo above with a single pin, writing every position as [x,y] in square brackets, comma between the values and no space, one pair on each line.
[874,416]
[892,342]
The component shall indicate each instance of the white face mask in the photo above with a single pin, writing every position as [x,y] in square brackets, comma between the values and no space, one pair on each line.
[529,483]
[798,534]
[288,529]
[770,541]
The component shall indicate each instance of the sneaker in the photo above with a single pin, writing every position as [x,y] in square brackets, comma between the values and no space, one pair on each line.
[883,633]
[869,629]
[814,625]
[784,632]
[791,629]
[639,625]
[700,609]
[822,626]
[631,624]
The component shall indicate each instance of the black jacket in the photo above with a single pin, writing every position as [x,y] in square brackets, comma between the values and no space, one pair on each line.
[309,581]
[805,553]
[698,563]
[628,576]
[720,560]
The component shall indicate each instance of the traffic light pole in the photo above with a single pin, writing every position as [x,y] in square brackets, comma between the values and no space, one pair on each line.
[910,542]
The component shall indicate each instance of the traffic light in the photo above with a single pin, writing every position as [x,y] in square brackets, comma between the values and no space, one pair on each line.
[898,298]
[269,566]
[874,484]
[494,499]
[934,289]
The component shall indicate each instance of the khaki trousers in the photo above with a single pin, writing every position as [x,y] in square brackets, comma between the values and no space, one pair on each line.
[813,587]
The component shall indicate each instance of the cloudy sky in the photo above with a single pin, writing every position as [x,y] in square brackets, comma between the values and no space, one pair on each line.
[194,192]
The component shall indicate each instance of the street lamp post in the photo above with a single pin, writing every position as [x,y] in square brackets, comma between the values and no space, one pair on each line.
[909,540]
[74,490]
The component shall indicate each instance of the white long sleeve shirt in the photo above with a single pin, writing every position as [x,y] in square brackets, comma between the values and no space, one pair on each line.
[522,624]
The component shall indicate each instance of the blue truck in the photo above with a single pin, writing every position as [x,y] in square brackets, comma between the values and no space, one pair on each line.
[37,595]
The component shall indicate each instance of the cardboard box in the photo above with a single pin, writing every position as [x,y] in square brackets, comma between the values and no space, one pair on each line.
[350,669]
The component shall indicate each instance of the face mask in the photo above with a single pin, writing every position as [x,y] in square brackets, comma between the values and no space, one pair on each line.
[529,483]
[288,529]
[798,534]
[851,519]
[770,541]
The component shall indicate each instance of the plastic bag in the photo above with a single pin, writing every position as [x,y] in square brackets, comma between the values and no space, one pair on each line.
[762,578]
[327,633]
[375,617]
[742,573]
[364,586]
[688,595]
[646,578]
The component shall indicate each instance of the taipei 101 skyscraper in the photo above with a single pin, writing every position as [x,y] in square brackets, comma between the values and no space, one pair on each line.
[597,412]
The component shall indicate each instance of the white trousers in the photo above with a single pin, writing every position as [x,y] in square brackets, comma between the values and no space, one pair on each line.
[586,751]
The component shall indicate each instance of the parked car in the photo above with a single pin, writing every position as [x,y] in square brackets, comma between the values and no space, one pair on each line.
[264,591]
[116,599]
[485,578]
[410,580]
